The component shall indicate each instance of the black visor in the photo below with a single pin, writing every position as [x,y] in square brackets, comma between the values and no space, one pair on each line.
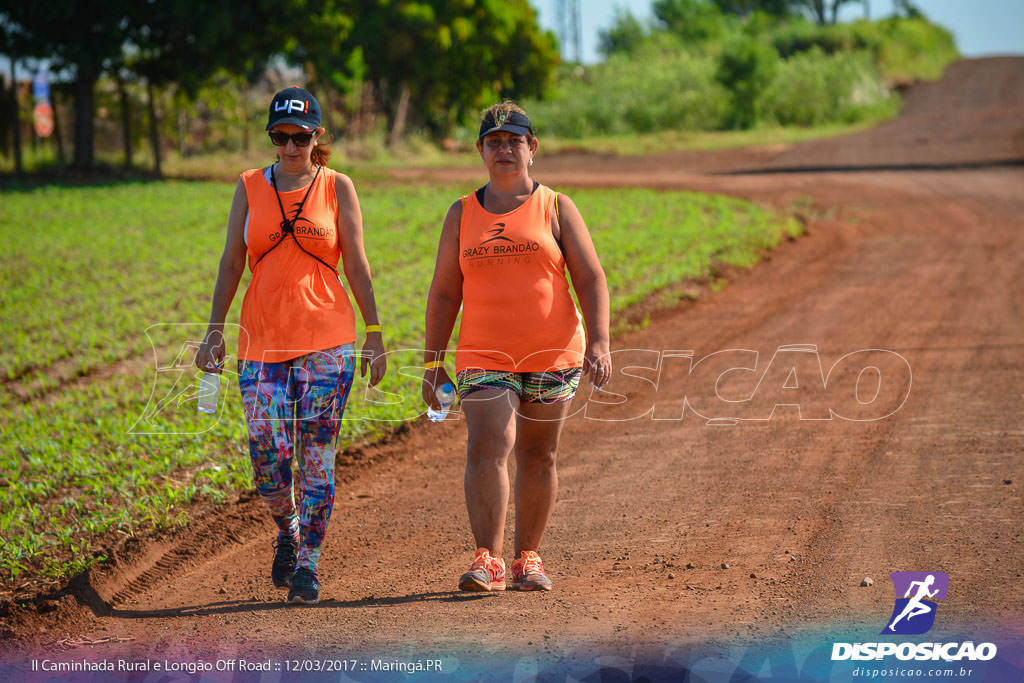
[512,121]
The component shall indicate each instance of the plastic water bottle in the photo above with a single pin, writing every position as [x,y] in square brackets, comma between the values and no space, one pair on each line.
[446,397]
[209,392]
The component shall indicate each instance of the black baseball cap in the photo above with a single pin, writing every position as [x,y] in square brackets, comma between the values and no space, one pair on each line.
[511,121]
[296,106]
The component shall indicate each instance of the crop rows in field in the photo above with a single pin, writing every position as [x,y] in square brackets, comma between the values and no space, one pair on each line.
[100,302]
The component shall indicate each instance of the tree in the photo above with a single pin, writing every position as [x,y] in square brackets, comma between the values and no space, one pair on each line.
[497,51]
[907,9]
[184,42]
[822,11]
[744,8]
[746,69]
[83,37]
[435,60]
[695,21]
[126,112]
[624,35]
[13,43]
[332,68]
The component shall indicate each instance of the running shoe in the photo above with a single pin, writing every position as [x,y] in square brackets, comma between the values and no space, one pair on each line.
[305,589]
[485,574]
[528,573]
[284,561]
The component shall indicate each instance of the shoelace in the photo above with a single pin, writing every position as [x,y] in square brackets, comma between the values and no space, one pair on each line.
[488,563]
[532,564]
[481,560]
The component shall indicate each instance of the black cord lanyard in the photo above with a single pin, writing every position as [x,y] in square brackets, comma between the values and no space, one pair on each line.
[288,226]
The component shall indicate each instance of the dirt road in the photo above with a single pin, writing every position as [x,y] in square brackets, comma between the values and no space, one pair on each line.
[704,529]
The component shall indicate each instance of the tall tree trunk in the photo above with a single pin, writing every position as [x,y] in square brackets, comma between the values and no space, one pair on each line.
[245,117]
[835,10]
[867,10]
[126,121]
[180,128]
[16,121]
[359,125]
[154,134]
[85,102]
[57,134]
[332,111]
[818,10]
[401,113]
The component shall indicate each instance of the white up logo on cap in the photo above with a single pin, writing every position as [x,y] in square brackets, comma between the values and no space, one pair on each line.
[290,105]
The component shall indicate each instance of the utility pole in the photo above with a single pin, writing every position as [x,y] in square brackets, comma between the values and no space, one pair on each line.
[577,32]
[569,28]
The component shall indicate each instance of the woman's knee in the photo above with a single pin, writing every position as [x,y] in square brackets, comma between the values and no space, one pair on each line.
[536,456]
[485,450]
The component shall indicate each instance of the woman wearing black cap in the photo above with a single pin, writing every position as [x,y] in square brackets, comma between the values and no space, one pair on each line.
[294,220]
[522,346]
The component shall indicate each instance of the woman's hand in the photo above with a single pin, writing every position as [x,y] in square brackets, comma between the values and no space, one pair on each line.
[597,362]
[432,379]
[210,356]
[374,357]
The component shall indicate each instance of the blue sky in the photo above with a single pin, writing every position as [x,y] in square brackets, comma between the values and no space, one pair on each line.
[981,27]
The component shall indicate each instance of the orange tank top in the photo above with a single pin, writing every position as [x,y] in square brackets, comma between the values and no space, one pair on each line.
[517,312]
[294,304]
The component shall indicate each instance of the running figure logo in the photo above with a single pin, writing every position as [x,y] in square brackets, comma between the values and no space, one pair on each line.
[916,596]
[496,234]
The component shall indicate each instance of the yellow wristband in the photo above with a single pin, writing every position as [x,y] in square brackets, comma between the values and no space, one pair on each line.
[434,364]
[372,328]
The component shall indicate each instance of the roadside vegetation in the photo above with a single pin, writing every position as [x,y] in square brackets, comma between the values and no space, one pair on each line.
[696,68]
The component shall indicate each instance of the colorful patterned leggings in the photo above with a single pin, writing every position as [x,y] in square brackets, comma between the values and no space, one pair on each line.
[301,398]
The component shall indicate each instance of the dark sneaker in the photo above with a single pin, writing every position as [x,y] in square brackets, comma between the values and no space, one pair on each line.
[305,589]
[486,574]
[284,561]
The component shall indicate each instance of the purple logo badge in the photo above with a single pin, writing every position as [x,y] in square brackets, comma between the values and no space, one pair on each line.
[917,594]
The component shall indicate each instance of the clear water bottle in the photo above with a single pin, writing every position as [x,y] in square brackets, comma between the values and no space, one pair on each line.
[209,392]
[446,397]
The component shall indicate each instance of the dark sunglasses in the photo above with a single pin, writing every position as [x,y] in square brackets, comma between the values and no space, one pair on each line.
[281,139]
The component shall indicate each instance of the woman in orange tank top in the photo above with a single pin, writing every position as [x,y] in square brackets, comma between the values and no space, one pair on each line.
[523,347]
[293,221]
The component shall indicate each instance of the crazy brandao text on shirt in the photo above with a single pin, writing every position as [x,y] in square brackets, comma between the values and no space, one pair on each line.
[486,249]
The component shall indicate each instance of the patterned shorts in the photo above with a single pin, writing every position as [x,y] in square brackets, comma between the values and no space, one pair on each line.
[530,387]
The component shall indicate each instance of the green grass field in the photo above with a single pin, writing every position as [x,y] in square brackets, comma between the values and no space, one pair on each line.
[105,293]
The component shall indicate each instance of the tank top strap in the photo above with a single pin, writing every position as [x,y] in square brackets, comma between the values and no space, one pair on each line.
[462,217]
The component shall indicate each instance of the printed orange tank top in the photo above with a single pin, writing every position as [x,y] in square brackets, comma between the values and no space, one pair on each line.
[517,312]
[294,304]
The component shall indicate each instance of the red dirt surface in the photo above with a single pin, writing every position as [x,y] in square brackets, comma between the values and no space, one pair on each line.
[669,531]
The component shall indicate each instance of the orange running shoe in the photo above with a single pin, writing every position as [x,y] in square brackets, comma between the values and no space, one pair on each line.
[485,574]
[528,573]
